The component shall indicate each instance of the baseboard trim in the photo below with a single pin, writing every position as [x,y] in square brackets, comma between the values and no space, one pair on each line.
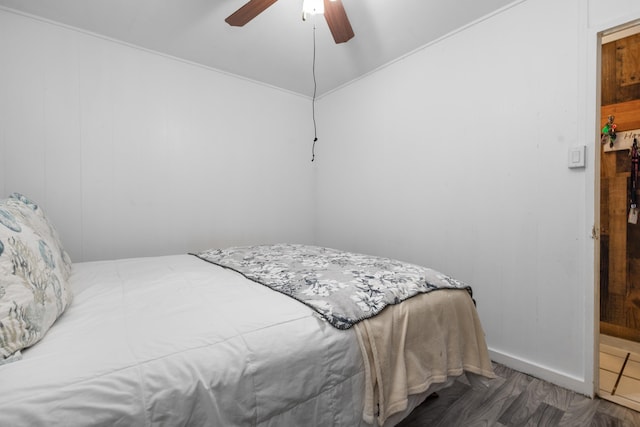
[561,379]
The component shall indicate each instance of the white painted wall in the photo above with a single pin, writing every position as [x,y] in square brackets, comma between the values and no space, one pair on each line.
[607,14]
[132,153]
[456,157]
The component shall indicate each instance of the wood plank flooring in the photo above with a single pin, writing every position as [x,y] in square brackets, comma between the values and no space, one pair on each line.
[620,371]
[517,399]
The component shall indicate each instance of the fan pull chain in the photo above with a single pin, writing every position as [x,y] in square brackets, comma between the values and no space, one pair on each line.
[313,100]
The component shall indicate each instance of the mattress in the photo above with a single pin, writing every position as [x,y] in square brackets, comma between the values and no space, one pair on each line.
[175,341]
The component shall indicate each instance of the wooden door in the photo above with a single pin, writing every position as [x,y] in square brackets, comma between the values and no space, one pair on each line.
[620,240]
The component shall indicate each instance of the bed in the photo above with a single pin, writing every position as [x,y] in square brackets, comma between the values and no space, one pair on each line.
[179,341]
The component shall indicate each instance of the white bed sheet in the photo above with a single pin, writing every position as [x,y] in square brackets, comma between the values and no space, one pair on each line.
[177,341]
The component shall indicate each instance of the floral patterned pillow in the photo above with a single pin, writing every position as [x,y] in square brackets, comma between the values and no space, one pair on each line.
[41,224]
[34,273]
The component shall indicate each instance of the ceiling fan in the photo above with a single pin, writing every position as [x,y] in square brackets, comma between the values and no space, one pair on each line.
[334,14]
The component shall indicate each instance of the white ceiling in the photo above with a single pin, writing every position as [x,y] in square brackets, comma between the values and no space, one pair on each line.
[275,48]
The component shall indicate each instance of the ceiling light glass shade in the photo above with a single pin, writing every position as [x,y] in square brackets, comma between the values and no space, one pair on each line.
[312,7]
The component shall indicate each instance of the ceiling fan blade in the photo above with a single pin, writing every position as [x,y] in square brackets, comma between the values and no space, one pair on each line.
[247,12]
[337,20]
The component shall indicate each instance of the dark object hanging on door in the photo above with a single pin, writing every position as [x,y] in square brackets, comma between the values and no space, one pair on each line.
[634,173]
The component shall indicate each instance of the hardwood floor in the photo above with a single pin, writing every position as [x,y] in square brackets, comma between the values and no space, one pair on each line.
[620,371]
[517,399]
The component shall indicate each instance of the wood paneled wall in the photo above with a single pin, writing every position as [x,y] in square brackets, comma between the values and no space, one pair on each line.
[621,70]
[620,241]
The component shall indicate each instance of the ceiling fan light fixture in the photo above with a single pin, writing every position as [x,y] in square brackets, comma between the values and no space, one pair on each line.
[312,7]
[333,12]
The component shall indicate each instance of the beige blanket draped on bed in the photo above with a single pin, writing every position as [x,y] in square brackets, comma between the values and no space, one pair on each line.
[420,342]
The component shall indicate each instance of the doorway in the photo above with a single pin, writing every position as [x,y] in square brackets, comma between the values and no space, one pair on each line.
[619,341]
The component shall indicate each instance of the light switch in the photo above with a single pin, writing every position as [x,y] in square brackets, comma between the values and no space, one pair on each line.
[576,156]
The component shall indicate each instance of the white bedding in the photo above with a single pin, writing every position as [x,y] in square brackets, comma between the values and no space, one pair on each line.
[140,330]
[173,341]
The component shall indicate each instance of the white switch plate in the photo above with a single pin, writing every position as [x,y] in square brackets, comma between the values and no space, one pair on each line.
[576,156]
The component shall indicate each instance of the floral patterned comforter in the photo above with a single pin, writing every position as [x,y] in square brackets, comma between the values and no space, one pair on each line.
[343,287]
